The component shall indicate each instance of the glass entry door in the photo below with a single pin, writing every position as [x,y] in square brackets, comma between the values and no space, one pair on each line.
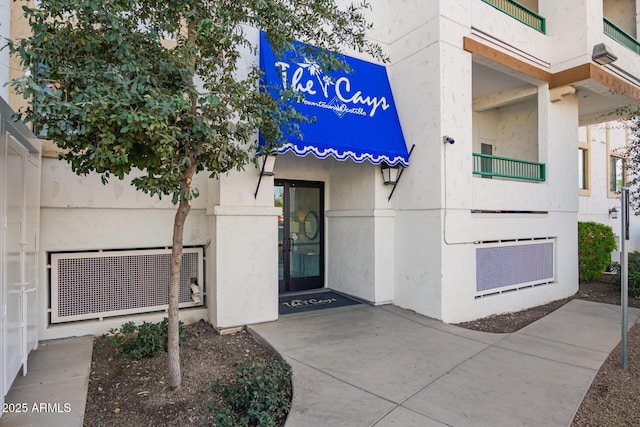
[300,235]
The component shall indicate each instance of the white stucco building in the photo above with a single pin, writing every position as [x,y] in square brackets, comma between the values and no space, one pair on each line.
[601,174]
[484,225]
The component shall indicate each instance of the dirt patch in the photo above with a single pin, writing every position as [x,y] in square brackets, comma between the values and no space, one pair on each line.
[135,393]
[510,322]
[614,396]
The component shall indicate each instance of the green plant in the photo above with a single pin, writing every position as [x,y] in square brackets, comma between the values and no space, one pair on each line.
[633,274]
[260,395]
[146,340]
[595,244]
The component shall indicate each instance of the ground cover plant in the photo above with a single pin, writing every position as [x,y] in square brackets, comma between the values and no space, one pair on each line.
[146,340]
[259,396]
[633,270]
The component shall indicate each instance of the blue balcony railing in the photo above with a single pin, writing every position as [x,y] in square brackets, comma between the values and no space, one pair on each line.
[619,35]
[521,13]
[502,167]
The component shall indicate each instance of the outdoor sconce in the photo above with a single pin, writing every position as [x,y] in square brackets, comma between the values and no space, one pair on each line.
[268,165]
[602,55]
[613,213]
[390,174]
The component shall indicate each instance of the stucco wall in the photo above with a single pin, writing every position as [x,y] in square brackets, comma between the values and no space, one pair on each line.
[80,214]
[512,130]
[595,205]
[530,42]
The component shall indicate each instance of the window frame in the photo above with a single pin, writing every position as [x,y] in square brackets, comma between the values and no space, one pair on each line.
[586,164]
[614,154]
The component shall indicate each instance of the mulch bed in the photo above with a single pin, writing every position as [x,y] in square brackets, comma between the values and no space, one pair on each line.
[135,392]
[511,322]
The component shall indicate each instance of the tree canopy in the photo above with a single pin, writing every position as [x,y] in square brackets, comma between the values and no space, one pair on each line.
[631,169]
[112,81]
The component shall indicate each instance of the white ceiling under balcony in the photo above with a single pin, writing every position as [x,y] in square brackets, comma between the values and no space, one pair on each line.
[488,81]
[493,88]
[598,103]
[495,85]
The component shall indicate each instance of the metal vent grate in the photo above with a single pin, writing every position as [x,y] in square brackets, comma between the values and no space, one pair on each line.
[93,285]
[513,265]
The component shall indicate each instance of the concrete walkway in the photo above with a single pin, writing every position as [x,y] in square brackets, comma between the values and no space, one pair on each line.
[384,366]
[54,391]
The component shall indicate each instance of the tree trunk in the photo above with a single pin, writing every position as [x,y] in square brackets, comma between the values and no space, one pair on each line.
[173,338]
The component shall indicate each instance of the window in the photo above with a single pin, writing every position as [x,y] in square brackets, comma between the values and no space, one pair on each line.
[617,134]
[584,161]
[583,171]
[616,173]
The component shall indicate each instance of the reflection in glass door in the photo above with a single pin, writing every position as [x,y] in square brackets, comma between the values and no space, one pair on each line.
[300,235]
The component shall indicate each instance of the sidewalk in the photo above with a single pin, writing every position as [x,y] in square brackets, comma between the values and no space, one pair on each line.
[54,391]
[385,366]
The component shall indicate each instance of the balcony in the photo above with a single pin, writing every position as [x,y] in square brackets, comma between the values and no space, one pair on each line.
[487,165]
[622,37]
[520,12]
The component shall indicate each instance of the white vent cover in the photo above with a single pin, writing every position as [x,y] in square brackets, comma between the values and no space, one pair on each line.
[93,285]
[512,265]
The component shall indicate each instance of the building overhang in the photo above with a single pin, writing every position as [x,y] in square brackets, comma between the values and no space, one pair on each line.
[601,90]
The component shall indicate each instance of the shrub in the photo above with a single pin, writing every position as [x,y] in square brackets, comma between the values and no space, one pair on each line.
[146,340]
[633,271]
[595,244]
[260,395]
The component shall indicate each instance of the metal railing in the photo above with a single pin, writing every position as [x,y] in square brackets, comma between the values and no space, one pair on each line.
[521,13]
[622,37]
[502,167]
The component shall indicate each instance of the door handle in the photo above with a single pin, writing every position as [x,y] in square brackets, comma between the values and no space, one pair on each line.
[288,244]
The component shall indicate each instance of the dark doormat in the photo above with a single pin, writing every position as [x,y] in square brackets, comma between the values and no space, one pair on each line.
[313,301]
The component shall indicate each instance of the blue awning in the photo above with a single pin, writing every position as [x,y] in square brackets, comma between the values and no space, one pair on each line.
[356,117]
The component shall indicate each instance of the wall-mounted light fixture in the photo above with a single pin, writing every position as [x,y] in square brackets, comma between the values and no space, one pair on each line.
[390,174]
[268,165]
[602,54]
[613,213]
